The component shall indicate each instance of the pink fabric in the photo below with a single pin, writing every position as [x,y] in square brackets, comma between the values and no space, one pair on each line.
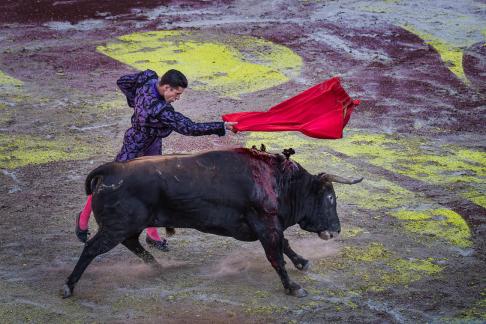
[85,213]
[153,233]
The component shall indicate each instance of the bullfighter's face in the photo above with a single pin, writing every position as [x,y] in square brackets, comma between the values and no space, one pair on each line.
[323,220]
[169,93]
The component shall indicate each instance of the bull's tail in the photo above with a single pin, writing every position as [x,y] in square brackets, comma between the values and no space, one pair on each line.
[95,176]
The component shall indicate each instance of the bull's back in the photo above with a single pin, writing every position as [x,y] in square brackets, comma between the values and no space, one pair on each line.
[209,165]
[218,176]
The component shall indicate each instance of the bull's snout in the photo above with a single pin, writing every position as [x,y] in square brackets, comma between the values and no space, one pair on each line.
[326,235]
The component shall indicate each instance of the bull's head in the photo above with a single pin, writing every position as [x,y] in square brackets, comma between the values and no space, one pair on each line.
[324,219]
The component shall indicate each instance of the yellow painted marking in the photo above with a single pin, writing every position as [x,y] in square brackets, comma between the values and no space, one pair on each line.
[6,79]
[229,65]
[351,231]
[375,268]
[477,196]
[119,103]
[437,223]
[21,150]
[451,55]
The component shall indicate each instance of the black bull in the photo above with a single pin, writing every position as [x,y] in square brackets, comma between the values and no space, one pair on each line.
[243,193]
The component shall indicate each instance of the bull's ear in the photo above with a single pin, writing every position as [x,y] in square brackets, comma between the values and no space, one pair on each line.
[324,177]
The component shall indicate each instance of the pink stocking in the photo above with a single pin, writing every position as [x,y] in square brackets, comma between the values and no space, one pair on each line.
[153,233]
[85,213]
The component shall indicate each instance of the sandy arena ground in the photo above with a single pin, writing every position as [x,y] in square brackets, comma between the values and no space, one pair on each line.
[413,242]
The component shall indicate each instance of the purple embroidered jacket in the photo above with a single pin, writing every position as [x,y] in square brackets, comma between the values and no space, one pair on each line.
[153,118]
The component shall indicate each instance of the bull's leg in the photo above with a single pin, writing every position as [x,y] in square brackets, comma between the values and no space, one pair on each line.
[298,261]
[134,245]
[273,244]
[101,243]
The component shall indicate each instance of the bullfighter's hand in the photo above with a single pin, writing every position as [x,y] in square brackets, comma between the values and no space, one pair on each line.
[230,126]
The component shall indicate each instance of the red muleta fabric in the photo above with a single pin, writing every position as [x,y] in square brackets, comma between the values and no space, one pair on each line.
[321,112]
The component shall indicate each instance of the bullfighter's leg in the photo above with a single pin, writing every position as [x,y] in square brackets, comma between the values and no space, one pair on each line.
[82,220]
[101,243]
[153,238]
[272,240]
[134,245]
[298,261]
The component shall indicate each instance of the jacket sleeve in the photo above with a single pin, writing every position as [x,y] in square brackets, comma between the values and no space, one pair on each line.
[183,125]
[128,84]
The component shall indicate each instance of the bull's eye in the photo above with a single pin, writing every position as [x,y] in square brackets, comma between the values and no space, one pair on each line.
[331,199]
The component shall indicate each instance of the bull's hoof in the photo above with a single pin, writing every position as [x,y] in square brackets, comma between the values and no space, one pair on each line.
[66,291]
[303,266]
[296,292]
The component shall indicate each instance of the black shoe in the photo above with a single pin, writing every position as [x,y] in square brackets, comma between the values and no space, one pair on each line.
[81,234]
[160,245]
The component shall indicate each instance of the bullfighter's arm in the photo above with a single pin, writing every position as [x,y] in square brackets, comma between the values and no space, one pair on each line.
[185,126]
[129,83]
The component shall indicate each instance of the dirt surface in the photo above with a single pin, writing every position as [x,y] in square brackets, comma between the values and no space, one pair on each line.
[413,242]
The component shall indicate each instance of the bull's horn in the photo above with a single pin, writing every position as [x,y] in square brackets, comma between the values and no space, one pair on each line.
[339,179]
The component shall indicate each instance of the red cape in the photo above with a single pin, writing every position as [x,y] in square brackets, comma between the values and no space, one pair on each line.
[321,111]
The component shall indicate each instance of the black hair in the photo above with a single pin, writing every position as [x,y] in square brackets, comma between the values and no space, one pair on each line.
[174,78]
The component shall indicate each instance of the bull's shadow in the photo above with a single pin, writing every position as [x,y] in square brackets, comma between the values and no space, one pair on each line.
[247,194]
